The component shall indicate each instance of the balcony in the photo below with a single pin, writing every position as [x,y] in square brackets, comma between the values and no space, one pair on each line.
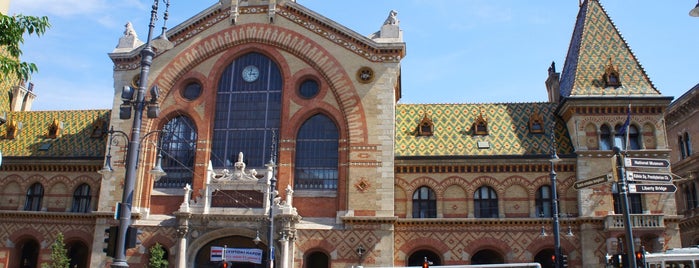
[638,221]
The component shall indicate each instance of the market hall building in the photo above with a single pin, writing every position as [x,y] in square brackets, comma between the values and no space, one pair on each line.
[254,90]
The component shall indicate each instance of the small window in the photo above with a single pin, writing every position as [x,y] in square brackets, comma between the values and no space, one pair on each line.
[544,202]
[191,91]
[480,126]
[81,199]
[605,136]
[35,194]
[611,75]
[687,144]
[426,127]
[536,124]
[485,202]
[424,203]
[309,89]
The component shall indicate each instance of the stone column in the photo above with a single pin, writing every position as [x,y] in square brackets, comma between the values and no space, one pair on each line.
[182,247]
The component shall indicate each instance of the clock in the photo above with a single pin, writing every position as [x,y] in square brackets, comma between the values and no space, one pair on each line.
[250,73]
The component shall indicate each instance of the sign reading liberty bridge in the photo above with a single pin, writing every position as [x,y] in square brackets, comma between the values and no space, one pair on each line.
[652,188]
[646,163]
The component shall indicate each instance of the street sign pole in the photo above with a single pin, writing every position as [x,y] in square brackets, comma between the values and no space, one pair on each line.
[623,195]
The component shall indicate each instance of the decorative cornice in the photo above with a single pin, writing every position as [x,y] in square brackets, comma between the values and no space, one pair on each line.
[487,168]
[46,217]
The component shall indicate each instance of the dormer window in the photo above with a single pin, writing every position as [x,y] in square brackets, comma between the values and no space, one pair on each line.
[12,129]
[536,124]
[426,127]
[54,129]
[480,126]
[611,75]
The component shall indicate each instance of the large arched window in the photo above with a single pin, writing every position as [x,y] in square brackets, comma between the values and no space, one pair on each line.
[81,199]
[424,203]
[317,154]
[35,194]
[485,202]
[248,105]
[544,202]
[605,138]
[178,148]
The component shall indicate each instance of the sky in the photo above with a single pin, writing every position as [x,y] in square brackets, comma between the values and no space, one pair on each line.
[466,51]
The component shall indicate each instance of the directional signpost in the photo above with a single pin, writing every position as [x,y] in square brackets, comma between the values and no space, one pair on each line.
[646,176]
[652,188]
[646,163]
[591,182]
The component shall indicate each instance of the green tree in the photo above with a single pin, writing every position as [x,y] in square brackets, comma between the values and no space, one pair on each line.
[12,30]
[59,254]
[157,257]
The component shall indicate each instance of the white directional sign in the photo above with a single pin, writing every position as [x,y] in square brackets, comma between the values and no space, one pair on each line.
[652,188]
[645,176]
[591,182]
[646,163]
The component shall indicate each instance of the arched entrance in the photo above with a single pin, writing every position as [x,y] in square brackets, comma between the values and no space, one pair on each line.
[487,256]
[203,258]
[317,260]
[29,253]
[544,257]
[78,254]
[418,258]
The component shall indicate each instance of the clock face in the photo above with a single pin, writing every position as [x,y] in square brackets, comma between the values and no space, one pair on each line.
[250,73]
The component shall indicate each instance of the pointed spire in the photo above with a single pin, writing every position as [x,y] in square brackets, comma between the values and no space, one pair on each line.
[596,41]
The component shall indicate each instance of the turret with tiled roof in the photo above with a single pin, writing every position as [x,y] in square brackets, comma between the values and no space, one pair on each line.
[599,61]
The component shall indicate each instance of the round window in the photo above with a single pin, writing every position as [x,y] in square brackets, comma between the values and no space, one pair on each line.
[308,89]
[192,91]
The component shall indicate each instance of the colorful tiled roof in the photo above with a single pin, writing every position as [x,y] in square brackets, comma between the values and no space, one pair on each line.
[596,43]
[75,138]
[507,126]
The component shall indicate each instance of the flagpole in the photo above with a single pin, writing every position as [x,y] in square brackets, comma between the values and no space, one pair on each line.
[628,123]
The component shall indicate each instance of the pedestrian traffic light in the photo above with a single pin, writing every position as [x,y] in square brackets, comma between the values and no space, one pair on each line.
[640,260]
[225,264]
[425,264]
[132,240]
[110,237]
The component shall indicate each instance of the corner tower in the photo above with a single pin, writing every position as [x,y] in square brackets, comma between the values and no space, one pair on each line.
[602,86]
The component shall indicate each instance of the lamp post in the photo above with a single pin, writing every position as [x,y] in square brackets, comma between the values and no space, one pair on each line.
[554,200]
[622,186]
[134,148]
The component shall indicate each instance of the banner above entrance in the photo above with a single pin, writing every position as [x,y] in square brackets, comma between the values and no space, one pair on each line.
[253,255]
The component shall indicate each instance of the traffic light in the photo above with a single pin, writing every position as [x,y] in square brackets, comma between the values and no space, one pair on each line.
[426,264]
[640,259]
[110,237]
[564,261]
[225,264]
[132,234]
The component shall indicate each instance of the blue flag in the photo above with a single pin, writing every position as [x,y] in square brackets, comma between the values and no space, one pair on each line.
[625,127]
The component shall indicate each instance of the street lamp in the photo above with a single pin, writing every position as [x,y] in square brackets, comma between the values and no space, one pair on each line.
[554,200]
[695,11]
[133,151]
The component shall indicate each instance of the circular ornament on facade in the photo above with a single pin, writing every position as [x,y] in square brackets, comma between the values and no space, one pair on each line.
[250,73]
[191,91]
[365,75]
[308,89]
